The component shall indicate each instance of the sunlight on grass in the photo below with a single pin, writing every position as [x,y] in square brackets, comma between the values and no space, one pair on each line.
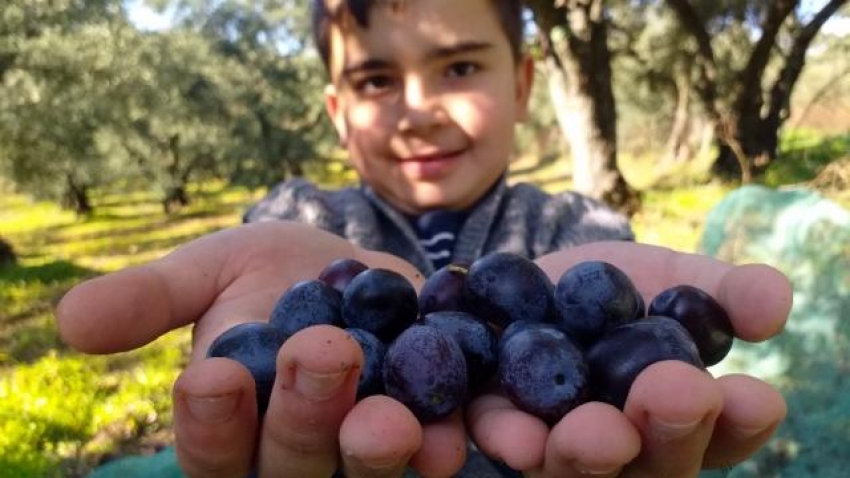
[76,406]
[644,172]
[554,175]
[21,216]
[58,407]
[675,218]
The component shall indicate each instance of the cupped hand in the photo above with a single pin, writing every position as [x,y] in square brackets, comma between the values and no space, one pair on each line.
[312,426]
[677,419]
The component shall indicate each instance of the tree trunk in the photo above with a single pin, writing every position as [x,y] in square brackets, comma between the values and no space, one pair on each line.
[747,128]
[759,141]
[678,143]
[7,253]
[579,72]
[76,197]
[176,196]
[275,151]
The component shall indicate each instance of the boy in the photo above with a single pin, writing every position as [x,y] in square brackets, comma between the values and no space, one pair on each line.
[428,120]
[425,95]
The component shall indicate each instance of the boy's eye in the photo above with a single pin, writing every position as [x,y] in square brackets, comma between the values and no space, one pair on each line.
[374,84]
[461,69]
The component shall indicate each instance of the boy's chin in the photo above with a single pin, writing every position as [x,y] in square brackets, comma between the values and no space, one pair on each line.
[421,205]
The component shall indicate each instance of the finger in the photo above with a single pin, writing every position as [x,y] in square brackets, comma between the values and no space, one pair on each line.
[593,439]
[215,419]
[516,438]
[129,308]
[752,410]
[674,406]
[228,277]
[443,450]
[378,438]
[654,269]
[759,299]
[317,372]
[121,311]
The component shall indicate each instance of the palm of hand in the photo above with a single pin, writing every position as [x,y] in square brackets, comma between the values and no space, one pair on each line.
[676,419]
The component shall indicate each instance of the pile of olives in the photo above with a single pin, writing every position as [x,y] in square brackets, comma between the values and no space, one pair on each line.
[499,320]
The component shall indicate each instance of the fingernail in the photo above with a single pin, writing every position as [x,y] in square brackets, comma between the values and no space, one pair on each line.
[212,409]
[751,431]
[592,471]
[390,468]
[668,431]
[319,386]
[383,464]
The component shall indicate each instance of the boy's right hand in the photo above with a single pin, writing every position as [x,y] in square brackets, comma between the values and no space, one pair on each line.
[312,426]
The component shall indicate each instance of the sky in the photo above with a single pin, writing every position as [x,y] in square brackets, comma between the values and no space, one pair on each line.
[145,17]
[834,25]
[148,19]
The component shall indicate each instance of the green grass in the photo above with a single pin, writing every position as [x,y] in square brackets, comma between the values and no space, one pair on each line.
[803,154]
[61,412]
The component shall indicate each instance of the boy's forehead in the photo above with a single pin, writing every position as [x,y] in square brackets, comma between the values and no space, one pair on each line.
[394,24]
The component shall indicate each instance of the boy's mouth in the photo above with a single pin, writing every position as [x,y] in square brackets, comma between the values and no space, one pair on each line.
[426,157]
[430,165]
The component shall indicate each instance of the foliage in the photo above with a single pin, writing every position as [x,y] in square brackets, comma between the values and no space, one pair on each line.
[232,91]
[90,99]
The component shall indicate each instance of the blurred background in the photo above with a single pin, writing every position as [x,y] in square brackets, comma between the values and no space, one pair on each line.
[130,127]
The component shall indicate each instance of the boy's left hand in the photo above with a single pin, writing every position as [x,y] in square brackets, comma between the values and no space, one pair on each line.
[677,419]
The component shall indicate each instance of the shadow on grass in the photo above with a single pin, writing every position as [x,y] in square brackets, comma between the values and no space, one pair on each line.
[27,327]
[57,271]
[128,246]
[57,235]
[197,212]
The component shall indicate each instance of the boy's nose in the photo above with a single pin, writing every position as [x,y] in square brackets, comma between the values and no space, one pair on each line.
[421,108]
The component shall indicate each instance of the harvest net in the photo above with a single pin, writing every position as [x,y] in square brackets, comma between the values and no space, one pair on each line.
[806,236]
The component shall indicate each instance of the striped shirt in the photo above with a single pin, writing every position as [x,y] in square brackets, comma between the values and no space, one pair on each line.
[437,232]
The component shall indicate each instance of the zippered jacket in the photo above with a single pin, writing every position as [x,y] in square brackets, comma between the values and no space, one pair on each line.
[518,218]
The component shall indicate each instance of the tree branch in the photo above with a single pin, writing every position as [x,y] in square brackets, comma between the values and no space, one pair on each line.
[705,61]
[780,94]
[749,95]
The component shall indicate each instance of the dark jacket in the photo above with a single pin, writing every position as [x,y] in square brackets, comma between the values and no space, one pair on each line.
[520,218]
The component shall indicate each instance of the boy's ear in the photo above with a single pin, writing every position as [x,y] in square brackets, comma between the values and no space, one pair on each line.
[336,112]
[524,83]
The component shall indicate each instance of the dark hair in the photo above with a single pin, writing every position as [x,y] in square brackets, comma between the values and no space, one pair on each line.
[509,13]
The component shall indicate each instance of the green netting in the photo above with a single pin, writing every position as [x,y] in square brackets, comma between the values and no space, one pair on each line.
[160,465]
[807,237]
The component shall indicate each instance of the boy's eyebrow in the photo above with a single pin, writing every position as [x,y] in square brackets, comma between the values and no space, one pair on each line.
[372,64]
[457,49]
[365,65]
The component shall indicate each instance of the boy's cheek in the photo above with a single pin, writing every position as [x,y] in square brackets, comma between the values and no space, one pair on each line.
[370,129]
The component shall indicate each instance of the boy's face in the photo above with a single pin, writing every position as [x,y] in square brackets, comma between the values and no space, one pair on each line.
[426,100]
